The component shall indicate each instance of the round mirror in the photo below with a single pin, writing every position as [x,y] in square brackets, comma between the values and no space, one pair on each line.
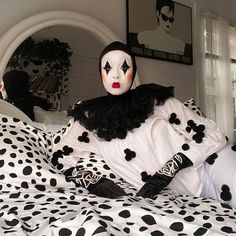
[86,37]
[80,82]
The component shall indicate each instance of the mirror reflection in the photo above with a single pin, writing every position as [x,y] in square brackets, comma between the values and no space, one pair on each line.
[62,62]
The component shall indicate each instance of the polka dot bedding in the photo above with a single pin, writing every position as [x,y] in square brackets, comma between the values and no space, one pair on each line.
[191,104]
[36,199]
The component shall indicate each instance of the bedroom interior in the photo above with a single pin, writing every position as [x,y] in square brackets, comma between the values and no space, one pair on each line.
[35,197]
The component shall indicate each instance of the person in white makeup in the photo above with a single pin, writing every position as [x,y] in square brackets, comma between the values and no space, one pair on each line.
[160,38]
[117,70]
[146,136]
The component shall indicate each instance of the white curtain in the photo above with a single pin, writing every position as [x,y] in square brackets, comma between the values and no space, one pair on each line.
[216,80]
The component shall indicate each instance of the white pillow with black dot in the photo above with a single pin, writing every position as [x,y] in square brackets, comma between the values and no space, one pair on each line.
[191,104]
[24,158]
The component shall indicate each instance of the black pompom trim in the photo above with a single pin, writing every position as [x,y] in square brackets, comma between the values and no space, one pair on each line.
[233,148]
[225,194]
[185,147]
[84,137]
[55,156]
[211,159]
[111,117]
[66,150]
[145,176]
[173,119]
[198,129]
[129,154]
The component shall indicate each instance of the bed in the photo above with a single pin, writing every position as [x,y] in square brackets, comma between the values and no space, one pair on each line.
[36,199]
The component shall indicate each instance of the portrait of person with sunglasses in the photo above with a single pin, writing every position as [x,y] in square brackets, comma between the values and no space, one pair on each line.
[160,38]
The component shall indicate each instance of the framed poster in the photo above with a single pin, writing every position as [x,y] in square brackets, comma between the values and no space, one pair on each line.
[160,29]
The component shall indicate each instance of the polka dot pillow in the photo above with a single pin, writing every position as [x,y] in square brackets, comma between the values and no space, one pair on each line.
[191,104]
[24,153]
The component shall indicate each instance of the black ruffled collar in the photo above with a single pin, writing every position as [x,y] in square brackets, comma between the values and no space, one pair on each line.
[112,117]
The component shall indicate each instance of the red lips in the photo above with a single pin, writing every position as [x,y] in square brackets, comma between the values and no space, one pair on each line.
[116,85]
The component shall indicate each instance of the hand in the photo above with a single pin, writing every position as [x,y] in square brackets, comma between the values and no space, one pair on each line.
[164,176]
[106,188]
[154,186]
[95,184]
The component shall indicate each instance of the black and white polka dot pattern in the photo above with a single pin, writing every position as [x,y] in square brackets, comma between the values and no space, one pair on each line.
[37,200]
[191,104]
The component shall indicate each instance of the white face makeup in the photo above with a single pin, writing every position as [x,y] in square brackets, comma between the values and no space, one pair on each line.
[117,72]
[3,91]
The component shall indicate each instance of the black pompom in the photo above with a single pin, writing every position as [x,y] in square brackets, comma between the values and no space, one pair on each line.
[233,148]
[225,194]
[173,119]
[55,156]
[173,115]
[197,138]
[145,176]
[84,137]
[201,128]
[60,166]
[188,129]
[211,159]
[67,150]
[191,123]
[54,160]
[58,154]
[185,147]
[129,154]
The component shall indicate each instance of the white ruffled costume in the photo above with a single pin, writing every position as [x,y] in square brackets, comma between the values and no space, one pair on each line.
[154,143]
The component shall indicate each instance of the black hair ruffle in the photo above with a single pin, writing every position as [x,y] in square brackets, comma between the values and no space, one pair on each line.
[112,117]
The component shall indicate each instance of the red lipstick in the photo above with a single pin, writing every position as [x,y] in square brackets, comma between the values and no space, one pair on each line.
[116,85]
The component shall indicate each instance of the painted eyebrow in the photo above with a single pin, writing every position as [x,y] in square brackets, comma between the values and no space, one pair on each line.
[107,67]
[125,66]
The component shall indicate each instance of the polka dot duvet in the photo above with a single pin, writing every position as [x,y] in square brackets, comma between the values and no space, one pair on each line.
[36,199]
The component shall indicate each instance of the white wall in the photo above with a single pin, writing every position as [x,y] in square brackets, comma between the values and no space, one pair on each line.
[83,78]
[225,8]
[112,13]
